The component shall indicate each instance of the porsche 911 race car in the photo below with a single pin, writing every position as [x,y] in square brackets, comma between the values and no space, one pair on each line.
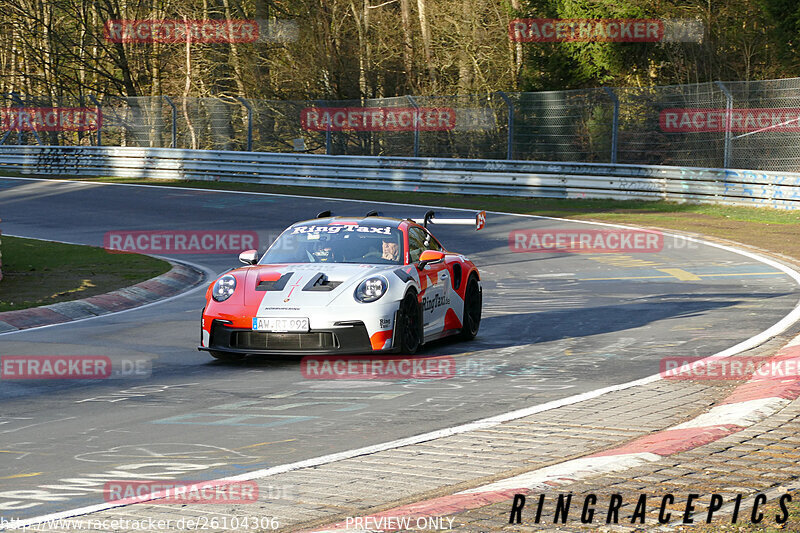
[344,285]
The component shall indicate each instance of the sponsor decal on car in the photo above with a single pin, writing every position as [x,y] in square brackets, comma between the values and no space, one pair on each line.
[429,304]
[384,230]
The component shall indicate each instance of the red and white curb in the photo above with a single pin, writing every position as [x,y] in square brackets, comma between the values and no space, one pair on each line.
[178,279]
[749,403]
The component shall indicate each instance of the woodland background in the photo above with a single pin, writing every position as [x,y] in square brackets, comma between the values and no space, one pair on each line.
[353,49]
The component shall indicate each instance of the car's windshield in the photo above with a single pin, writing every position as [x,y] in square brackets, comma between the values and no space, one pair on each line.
[337,243]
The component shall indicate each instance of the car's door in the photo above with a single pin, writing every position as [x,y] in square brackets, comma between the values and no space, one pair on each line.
[434,277]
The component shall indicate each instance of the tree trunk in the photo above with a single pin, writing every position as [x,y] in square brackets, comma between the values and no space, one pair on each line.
[234,60]
[362,67]
[426,44]
[186,92]
[263,118]
[408,46]
[465,70]
[516,48]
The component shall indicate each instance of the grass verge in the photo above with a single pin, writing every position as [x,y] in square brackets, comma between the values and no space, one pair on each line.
[40,272]
[768,229]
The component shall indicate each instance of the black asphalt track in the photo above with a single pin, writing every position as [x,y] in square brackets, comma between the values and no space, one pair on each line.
[555,325]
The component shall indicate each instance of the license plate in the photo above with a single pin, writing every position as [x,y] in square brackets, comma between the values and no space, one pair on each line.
[280,324]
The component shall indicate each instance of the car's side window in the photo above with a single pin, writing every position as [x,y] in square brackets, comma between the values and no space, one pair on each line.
[416,243]
[431,243]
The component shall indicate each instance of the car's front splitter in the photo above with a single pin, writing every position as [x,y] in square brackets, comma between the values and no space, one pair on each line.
[347,339]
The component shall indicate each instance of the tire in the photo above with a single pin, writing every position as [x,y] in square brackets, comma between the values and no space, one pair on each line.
[473,304]
[409,320]
[227,356]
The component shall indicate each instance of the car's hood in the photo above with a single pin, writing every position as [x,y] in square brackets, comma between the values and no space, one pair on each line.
[303,285]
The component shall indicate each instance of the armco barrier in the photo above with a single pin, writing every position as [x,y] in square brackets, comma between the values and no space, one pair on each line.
[537,179]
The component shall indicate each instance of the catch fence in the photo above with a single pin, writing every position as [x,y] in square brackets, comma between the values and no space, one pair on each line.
[742,125]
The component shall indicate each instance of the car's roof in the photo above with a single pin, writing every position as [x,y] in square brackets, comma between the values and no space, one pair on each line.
[361,221]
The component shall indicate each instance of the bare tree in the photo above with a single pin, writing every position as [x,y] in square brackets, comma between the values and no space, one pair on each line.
[408,45]
[426,43]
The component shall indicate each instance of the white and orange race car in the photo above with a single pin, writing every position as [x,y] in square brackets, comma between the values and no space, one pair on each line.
[344,285]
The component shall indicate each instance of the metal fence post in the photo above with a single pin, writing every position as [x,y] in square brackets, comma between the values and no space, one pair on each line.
[614,123]
[328,140]
[6,134]
[728,110]
[99,119]
[174,122]
[17,97]
[510,141]
[416,124]
[246,104]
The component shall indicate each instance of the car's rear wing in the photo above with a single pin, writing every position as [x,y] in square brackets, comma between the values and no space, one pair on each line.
[479,221]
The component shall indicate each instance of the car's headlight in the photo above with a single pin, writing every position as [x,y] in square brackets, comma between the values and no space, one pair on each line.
[371,289]
[223,288]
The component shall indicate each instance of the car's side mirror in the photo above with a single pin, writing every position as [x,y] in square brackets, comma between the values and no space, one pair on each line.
[249,257]
[429,256]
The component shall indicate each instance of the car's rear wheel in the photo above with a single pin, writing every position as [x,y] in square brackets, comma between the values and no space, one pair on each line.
[227,356]
[409,323]
[473,303]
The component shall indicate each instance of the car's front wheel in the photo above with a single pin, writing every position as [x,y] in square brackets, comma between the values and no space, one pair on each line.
[473,304]
[409,322]
[227,356]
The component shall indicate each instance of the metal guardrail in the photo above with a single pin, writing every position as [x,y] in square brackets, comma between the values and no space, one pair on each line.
[535,179]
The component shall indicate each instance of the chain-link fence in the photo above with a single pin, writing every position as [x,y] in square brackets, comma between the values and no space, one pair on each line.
[747,125]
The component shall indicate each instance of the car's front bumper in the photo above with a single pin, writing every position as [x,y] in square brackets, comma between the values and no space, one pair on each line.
[347,338]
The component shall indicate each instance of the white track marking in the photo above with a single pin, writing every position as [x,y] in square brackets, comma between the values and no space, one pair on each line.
[742,414]
[567,472]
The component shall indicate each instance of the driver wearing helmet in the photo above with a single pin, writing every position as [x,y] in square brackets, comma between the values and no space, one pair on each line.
[323,251]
